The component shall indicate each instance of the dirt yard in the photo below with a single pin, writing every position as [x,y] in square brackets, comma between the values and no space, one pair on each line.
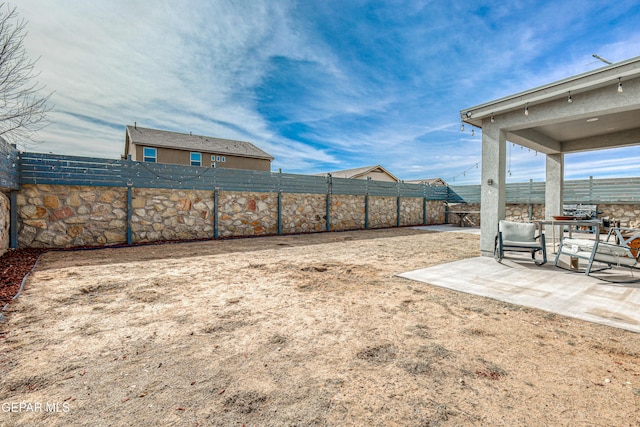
[298,330]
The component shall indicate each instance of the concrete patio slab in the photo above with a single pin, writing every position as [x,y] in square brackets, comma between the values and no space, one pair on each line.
[519,281]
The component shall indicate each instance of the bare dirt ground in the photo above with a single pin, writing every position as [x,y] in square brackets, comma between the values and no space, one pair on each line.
[298,330]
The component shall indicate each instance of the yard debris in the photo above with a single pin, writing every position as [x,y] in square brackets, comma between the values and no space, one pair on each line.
[14,265]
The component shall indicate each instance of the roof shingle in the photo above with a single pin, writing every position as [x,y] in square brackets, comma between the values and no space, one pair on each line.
[183,141]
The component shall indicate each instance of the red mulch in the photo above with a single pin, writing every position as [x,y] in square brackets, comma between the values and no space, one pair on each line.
[14,265]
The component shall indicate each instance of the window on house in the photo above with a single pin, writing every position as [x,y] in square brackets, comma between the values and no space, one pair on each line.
[196,159]
[217,159]
[149,154]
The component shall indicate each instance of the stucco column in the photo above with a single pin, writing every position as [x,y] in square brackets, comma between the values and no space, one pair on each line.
[553,197]
[492,195]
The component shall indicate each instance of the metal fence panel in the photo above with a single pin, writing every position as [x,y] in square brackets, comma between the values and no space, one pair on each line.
[34,168]
[9,166]
[68,170]
[464,194]
[304,184]
[610,190]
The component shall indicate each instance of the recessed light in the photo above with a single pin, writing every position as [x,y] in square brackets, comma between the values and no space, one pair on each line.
[594,119]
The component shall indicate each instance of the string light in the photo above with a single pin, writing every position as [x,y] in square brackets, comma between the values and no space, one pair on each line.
[464,172]
[510,152]
[462,127]
[526,110]
[473,132]
[619,85]
[493,120]
[569,100]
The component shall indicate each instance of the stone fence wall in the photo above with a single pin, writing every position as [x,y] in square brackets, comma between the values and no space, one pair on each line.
[68,216]
[627,214]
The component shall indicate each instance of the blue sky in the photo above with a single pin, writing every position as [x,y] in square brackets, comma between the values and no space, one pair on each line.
[321,85]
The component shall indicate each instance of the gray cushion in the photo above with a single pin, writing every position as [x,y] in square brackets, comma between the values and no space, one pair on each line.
[609,259]
[575,245]
[531,245]
[585,245]
[517,231]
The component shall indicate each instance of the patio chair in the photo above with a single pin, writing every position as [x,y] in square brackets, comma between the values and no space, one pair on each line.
[519,237]
[610,255]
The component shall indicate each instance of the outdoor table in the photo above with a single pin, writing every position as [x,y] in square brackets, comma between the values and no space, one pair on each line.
[593,223]
[463,214]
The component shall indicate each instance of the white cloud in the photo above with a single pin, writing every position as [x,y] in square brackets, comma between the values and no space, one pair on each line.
[199,66]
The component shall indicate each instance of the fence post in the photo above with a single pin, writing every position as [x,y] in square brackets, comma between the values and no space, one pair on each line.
[424,210]
[424,204]
[129,213]
[215,213]
[328,206]
[530,199]
[398,202]
[279,211]
[13,219]
[366,203]
[366,211]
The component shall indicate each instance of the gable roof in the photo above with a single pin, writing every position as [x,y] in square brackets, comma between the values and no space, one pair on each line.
[360,172]
[430,181]
[183,141]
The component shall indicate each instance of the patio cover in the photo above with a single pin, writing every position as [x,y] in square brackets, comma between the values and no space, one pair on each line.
[604,112]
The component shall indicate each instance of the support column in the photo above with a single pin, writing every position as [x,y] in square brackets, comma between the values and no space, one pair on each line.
[493,193]
[553,192]
[553,195]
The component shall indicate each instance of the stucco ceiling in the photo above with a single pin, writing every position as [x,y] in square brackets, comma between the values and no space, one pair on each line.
[592,126]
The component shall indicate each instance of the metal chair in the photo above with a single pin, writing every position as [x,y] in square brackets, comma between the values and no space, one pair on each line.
[519,237]
[609,254]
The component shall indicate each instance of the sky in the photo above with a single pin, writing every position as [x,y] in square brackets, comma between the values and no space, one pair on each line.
[321,85]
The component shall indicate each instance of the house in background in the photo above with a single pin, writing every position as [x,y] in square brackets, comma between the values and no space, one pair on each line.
[376,173]
[160,146]
[428,181]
